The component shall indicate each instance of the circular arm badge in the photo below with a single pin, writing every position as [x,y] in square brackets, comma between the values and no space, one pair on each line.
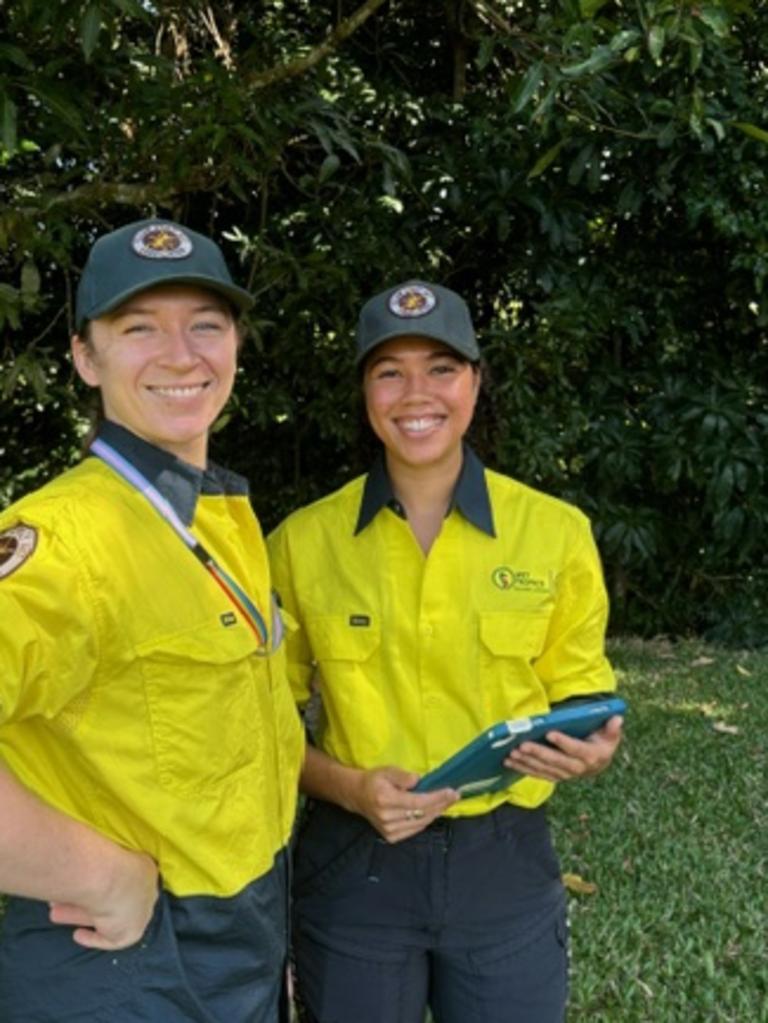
[17,545]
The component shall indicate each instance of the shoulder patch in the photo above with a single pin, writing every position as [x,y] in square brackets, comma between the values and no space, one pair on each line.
[17,545]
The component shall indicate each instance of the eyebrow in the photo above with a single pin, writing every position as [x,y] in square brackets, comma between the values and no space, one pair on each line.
[441,354]
[129,309]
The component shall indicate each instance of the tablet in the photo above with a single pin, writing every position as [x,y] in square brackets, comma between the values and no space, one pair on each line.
[478,766]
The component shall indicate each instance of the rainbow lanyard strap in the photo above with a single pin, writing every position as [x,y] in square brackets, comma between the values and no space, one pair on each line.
[233,590]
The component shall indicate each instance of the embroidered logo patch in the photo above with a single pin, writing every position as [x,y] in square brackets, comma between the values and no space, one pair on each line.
[161,241]
[509,579]
[17,544]
[411,301]
[228,619]
[359,621]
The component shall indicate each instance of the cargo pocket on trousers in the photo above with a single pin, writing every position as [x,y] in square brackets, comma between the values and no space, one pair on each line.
[537,955]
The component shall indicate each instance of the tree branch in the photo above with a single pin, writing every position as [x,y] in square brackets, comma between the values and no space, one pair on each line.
[343,30]
[99,192]
[223,48]
[488,13]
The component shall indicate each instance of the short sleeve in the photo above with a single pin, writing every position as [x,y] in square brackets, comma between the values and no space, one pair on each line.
[48,628]
[573,661]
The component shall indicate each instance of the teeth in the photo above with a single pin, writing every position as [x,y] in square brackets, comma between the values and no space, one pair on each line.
[418,425]
[178,392]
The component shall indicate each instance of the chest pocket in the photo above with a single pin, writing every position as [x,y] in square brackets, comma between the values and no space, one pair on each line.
[509,642]
[356,716]
[201,688]
[334,639]
[518,634]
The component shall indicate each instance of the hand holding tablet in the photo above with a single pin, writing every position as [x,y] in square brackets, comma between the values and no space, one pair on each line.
[479,766]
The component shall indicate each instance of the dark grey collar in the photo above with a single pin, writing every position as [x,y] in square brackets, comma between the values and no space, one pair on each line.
[470,495]
[179,482]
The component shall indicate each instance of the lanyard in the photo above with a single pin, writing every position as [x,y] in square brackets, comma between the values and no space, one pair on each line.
[233,590]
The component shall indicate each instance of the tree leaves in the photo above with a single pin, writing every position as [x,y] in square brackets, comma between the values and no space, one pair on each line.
[598,194]
[8,124]
[657,37]
[752,130]
[546,160]
[600,58]
[90,27]
[529,83]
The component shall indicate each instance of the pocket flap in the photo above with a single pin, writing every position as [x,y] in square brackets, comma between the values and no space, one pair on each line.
[335,639]
[514,634]
[212,642]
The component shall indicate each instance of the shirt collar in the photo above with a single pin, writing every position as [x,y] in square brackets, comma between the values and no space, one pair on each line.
[470,495]
[180,483]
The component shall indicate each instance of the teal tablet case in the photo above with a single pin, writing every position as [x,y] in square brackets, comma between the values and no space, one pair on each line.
[478,766]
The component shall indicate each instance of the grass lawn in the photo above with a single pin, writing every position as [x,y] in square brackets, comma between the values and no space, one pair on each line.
[675,839]
[671,845]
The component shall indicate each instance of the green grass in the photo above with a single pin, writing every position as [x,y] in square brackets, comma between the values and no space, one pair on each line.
[675,837]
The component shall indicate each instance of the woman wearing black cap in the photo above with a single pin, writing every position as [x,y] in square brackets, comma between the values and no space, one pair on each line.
[434,597]
[149,745]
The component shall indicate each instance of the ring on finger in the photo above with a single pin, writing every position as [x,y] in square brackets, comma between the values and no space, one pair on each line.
[409,814]
[418,814]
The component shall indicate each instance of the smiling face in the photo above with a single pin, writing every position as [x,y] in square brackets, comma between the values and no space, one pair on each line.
[420,398]
[165,362]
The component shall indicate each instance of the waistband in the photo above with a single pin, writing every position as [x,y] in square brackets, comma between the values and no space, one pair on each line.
[504,821]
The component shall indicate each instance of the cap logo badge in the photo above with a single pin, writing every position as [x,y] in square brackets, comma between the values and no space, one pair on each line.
[161,241]
[411,301]
[16,545]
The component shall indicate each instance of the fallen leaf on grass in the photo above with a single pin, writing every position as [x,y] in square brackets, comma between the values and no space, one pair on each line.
[576,883]
[743,671]
[701,662]
[725,729]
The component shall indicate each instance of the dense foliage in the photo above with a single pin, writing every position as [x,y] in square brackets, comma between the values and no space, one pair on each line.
[591,176]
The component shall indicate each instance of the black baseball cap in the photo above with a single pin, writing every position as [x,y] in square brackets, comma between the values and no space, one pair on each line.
[416,308]
[147,253]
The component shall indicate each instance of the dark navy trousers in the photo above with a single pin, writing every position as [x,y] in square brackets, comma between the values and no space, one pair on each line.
[201,960]
[467,918]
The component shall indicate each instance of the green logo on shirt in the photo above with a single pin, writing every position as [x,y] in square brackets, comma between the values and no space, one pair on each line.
[510,579]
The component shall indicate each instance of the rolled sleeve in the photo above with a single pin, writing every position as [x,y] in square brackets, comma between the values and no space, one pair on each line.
[573,661]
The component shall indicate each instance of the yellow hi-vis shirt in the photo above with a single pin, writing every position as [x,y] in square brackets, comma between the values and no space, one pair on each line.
[413,654]
[131,694]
